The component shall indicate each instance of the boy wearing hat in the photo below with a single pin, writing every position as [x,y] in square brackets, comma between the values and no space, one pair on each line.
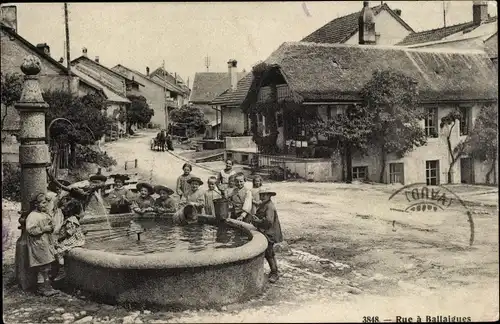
[120,197]
[165,203]
[144,202]
[192,204]
[267,222]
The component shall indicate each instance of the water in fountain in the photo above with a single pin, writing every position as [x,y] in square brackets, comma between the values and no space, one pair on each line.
[97,207]
[162,236]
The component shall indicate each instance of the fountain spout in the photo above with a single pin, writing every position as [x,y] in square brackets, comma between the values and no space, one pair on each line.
[34,158]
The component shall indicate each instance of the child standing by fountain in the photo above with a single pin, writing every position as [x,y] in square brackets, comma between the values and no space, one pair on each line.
[267,222]
[144,203]
[165,203]
[257,185]
[54,195]
[223,177]
[41,252]
[183,186]
[192,204]
[210,195]
[70,235]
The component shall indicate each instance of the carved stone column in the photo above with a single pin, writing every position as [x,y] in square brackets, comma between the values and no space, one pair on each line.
[34,158]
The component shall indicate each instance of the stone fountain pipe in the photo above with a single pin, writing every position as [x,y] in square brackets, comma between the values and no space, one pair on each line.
[33,157]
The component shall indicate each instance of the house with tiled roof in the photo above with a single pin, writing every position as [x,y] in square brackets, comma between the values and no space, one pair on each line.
[391,28]
[328,78]
[177,88]
[53,75]
[468,35]
[159,95]
[208,85]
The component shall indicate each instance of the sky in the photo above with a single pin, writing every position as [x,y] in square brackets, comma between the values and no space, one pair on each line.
[144,34]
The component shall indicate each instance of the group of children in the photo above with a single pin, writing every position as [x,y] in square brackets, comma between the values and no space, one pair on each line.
[53,225]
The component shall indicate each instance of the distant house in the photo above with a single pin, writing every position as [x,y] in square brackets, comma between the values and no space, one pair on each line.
[157,93]
[207,86]
[53,75]
[327,78]
[116,85]
[345,30]
[468,35]
[176,88]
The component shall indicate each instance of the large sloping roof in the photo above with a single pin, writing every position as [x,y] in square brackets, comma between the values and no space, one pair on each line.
[208,85]
[81,58]
[329,72]
[110,95]
[341,29]
[172,82]
[230,97]
[437,34]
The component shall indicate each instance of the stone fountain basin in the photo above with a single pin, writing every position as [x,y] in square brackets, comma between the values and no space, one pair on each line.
[183,280]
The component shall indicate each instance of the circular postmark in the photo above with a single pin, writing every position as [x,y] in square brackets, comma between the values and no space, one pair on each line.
[421,198]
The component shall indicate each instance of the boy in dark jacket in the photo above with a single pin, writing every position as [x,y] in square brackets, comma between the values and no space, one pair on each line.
[267,222]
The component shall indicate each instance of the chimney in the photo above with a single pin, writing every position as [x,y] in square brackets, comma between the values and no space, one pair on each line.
[61,60]
[479,12]
[397,12]
[8,16]
[147,70]
[84,51]
[233,74]
[366,24]
[44,48]
[97,59]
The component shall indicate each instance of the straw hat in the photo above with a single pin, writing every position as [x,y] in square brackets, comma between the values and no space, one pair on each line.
[265,190]
[195,179]
[122,177]
[98,177]
[159,188]
[141,185]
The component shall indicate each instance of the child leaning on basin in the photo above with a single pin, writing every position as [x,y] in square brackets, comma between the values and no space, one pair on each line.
[144,202]
[192,204]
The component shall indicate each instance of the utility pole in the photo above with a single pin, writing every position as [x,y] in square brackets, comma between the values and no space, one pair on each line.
[68,61]
[166,98]
[444,13]
[207,62]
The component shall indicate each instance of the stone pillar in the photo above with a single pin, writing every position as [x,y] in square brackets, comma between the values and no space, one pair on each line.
[34,158]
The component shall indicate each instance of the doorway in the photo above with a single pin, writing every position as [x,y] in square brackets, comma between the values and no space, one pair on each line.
[466,171]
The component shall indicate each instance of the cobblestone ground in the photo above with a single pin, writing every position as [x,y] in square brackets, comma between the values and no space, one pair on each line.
[348,256]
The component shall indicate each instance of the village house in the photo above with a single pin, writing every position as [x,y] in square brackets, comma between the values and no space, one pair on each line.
[53,75]
[206,87]
[116,85]
[180,91]
[157,93]
[479,33]
[391,28]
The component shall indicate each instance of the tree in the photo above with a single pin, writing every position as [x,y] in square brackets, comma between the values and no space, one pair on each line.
[448,123]
[11,85]
[483,140]
[350,131]
[138,112]
[89,123]
[391,98]
[190,116]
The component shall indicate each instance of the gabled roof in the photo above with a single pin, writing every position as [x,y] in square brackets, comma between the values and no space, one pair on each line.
[75,61]
[157,82]
[165,76]
[229,97]
[63,70]
[208,85]
[337,72]
[341,29]
[110,94]
[437,34]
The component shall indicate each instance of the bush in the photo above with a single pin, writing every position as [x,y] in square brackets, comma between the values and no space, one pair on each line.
[89,155]
[11,185]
